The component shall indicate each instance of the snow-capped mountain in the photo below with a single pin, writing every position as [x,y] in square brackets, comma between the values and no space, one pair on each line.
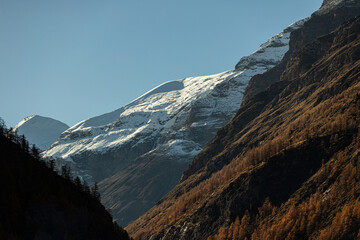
[41,131]
[139,151]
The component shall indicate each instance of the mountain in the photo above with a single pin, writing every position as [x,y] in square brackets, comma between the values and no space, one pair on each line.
[139,152]
[286,166]
[41,131]
[36,203]
[321,23]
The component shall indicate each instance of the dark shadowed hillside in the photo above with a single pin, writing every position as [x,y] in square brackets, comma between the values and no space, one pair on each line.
[36,203]
[287,165]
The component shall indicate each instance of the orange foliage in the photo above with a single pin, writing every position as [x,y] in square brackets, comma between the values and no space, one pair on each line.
[331,117]
[345,224]
[331,214]
[238,230]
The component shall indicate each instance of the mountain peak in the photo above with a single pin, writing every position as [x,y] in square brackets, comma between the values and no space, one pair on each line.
[41,131]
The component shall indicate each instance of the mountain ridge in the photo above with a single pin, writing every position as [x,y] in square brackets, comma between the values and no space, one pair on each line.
[161,131]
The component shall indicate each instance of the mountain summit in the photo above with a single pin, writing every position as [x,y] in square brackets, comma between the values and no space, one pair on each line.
[41,131]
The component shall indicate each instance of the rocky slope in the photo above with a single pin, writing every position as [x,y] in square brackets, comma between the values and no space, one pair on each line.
[41,131]
[134,150]
[288,144]
[316,26]
[326,19]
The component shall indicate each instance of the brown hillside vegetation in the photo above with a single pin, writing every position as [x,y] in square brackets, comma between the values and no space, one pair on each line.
[293,172]
[214,156]
[331,212]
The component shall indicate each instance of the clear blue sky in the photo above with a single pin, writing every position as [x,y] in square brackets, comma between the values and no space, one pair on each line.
[75,59]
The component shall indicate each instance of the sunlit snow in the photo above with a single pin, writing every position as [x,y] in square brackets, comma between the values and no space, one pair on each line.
[41,131]
[164,112]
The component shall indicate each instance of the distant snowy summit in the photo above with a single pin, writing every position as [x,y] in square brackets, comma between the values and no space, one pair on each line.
[41,131]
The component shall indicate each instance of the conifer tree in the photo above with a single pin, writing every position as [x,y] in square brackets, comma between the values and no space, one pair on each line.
[86,188]
[2,126]
[24,144]
[52,164]
[35,152]
[66,172]
[78,183]
[95,192]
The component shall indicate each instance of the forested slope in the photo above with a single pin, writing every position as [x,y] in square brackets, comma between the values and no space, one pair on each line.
[288,159]
[37,203]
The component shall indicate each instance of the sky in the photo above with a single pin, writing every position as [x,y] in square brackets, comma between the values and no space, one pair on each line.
[75,59]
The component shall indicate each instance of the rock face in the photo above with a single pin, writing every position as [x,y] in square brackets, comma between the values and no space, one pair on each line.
[138,152]
[326,19]
[290,143]
[41,131]
[330,5]
[317,26]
